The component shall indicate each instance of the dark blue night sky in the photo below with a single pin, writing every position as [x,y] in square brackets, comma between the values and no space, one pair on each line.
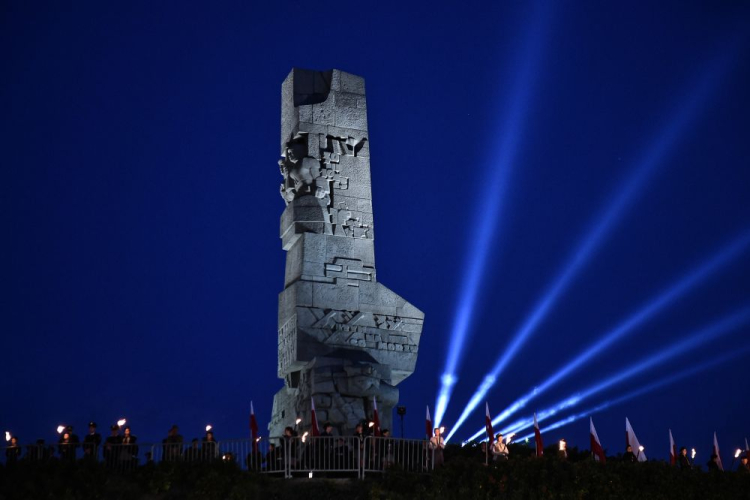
[139,204]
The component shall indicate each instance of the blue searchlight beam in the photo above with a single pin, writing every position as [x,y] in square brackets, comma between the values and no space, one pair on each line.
[646,389]
[491,208]
[608,218]
[661,301]
[696,339]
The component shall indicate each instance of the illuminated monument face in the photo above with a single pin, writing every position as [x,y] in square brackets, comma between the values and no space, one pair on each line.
[343,337]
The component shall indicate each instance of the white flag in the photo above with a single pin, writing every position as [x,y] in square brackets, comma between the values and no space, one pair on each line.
[632,440]
[716,450]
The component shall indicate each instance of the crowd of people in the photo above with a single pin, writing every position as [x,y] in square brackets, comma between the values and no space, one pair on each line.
[327,451]
[120,449]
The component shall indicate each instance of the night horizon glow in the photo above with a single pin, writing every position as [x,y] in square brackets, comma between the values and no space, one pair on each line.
[684,116]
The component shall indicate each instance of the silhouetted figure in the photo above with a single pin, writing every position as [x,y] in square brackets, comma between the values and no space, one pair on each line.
[39,452]
[210,447]
[193,453]
[12,452]
[91,442]
[67,445]
[629,456]
[342,455]
[683,461]
[172,445]
[111,448]
[713,463]
[128,456]
[289,442]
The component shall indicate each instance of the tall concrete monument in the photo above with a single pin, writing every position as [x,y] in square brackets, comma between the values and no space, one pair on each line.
[344,338]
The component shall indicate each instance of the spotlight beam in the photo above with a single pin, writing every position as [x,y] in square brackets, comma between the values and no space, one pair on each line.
[696,339]
[481,243]
[648,310]
[654,156]
[648,388]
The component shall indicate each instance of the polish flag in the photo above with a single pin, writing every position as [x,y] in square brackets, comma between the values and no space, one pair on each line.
[596,445]
[632,440]
[716,450]
[428,424]
[538,438]
[375,417]
[488,422]
[253,428]
[313,418]
[672,450]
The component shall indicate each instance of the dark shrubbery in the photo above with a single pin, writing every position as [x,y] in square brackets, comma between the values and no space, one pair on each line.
[464,476]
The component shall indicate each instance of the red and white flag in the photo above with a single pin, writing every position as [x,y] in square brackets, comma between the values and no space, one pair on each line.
[375,417]
[716,451]
[253,427]
[488,422]
[538,438]
[672,450]
[632,440]
[596,445]
[428,424]
[313,418]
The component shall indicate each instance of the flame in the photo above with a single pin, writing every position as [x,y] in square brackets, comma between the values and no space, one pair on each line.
[121,422]
[641,448]
[257,439]
[296,422]
[371,424]
[60,429]
[693,453]
[304,437]
[208,427]
[7,436]
[442,430]
[737,453]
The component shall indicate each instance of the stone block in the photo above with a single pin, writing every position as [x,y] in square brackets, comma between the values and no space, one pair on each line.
[354,118]
[352,83]
[343,337]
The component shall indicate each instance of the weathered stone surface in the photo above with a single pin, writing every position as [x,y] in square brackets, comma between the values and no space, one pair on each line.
[343,338]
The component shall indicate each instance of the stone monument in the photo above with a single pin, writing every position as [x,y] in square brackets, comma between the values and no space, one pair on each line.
[344,338]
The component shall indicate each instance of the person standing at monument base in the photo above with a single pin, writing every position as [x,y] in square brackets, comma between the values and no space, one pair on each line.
[499,449]
[437,445]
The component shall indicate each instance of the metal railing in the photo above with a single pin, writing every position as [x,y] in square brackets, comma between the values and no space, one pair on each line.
[342,456]
[412,455]
[330,454]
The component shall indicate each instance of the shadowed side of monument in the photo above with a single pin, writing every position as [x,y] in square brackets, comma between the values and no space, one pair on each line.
[344,338]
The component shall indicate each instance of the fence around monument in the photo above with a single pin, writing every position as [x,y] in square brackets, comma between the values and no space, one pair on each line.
[332,456]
